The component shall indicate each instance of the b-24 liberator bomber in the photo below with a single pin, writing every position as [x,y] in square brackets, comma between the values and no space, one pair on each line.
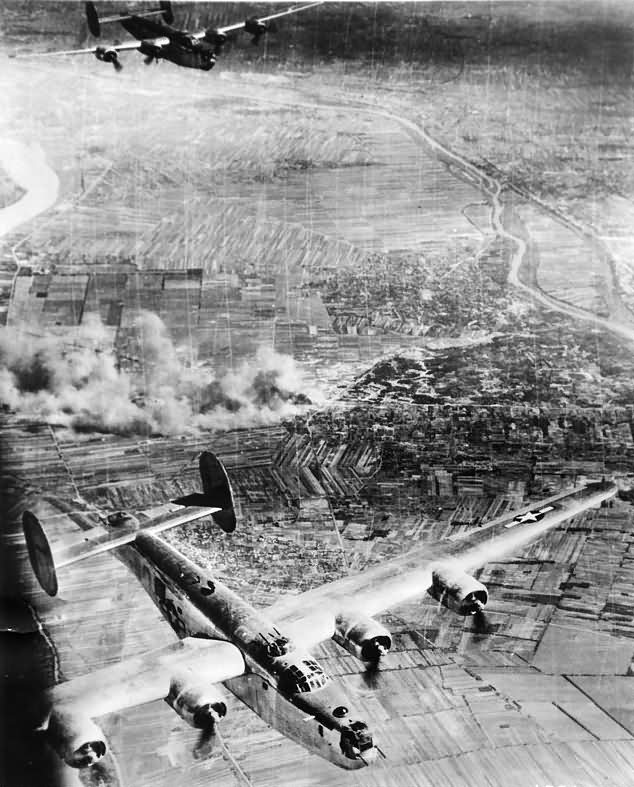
[264,656]
[158,40]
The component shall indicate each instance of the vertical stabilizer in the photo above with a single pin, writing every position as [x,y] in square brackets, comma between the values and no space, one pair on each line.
[92,17]
[216,492]
[40,553]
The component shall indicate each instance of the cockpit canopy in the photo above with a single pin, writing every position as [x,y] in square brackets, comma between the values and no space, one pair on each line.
[299,673]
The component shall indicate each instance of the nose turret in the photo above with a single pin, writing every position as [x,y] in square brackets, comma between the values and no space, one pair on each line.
[356,742]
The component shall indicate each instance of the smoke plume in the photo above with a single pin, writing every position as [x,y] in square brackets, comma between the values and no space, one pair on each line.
[78,383]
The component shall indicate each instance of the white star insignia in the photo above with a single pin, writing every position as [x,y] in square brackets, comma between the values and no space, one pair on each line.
[530,516]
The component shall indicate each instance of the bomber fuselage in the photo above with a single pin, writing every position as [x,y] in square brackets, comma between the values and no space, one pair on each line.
[284,685]
[182,49]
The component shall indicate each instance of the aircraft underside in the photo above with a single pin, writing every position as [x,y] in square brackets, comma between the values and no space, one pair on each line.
[187,58]
[293,722]
[255,688]
[182,50]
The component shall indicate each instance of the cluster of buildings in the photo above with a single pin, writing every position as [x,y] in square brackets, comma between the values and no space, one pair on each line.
[474,462]
[418,295]
[541,365]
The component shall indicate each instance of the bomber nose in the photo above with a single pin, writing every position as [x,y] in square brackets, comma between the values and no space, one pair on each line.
[356,742]
[370,755]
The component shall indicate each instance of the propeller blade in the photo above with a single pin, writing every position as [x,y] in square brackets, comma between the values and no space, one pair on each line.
[206,742]
[370,675]
[481,624]
[216,39]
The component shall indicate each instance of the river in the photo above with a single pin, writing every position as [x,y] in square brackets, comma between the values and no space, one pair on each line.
[26,165]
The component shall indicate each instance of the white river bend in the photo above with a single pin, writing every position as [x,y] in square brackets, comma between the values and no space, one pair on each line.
[26,165]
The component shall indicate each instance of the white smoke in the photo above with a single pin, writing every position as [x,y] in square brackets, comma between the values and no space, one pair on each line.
[79,384]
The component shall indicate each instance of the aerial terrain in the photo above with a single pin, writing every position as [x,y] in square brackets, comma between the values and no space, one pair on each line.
[382,265]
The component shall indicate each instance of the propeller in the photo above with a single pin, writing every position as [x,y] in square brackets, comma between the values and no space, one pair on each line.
[256,28]
[216,39]
[109,56]
[370,675]
[482,627]
[151,52]
[262,30]
[206,742]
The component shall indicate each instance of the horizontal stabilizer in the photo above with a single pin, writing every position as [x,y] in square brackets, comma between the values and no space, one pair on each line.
[123,17]
[216,500]
[45,563]
[195,499]
[94,22]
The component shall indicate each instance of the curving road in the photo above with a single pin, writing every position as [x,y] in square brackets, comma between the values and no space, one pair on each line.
[27,166]
[493,189]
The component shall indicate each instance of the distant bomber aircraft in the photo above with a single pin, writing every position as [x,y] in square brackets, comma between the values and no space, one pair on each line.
[158,40]
[264,657]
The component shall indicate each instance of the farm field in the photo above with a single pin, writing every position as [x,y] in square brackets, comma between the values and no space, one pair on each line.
[446,698]
[339,175]
[344,262]
[569,268]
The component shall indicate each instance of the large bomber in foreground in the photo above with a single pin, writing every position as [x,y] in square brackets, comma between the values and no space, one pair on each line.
[264,657]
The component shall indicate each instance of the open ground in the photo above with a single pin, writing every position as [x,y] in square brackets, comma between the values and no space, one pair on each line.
[341,216]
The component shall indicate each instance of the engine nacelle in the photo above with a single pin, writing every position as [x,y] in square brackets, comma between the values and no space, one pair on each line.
[149,49]
[256,28]
[108,56]
[200,706]
[457,591]
[76,739]
[216,39]
[362,636]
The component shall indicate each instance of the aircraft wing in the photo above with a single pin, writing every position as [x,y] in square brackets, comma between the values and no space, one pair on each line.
[260,20]
[310,617]
[126,46]
[134,681]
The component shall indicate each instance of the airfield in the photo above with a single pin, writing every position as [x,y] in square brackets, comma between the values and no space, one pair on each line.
[311,214]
